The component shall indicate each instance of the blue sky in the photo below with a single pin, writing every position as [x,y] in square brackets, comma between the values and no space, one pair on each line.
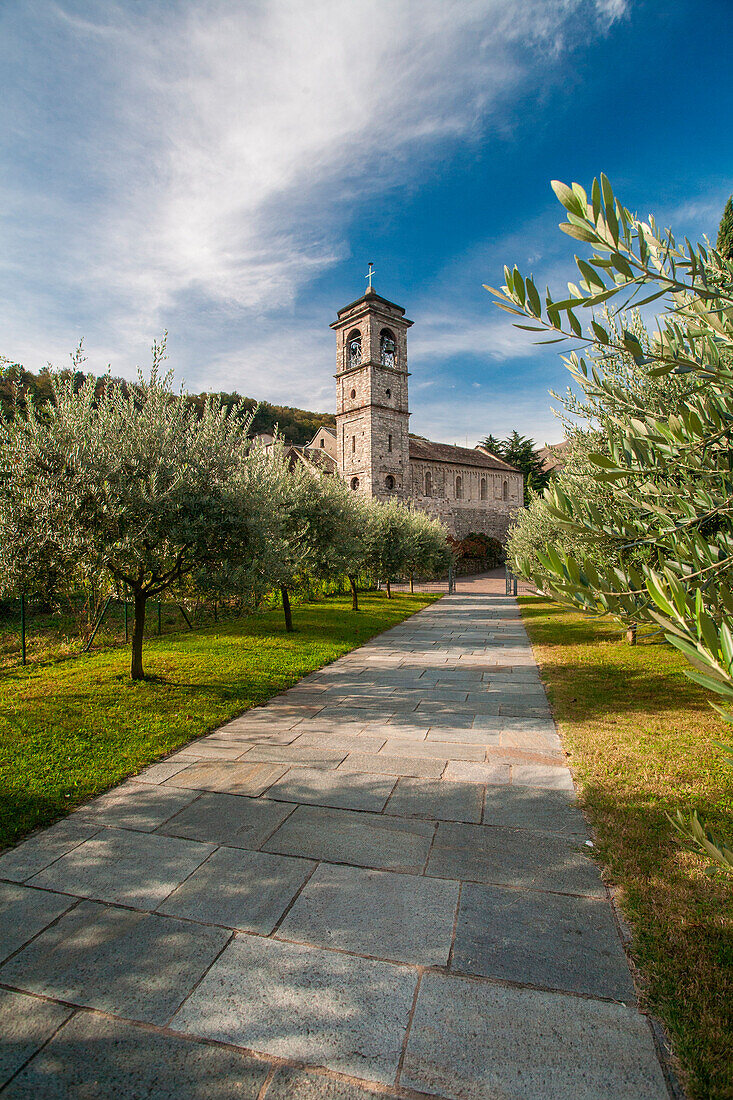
[226,169]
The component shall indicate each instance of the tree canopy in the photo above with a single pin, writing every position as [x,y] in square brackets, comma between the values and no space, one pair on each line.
[17,385]
[671,471]
[724,242]
[521,452]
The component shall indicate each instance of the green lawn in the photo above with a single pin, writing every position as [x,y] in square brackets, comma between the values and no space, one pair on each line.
[76,727]
[642,740]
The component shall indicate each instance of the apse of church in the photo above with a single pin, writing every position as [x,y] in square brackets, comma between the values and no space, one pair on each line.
[472,490]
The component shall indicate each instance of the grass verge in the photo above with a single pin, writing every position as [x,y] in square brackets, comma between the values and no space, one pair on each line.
[72,729]
[643,742]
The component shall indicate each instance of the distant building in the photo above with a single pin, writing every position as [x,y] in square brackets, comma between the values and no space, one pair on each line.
[554,456]
[372,449]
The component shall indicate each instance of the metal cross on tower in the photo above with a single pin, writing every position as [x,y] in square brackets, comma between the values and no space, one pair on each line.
[370,275]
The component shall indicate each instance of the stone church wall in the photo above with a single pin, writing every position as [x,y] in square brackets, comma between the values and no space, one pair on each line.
[468,514]
[466,519]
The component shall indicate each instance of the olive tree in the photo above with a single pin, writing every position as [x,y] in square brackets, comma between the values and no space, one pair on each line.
[138,487]
[321,531]
[399,540]
[673,473]
[426,551]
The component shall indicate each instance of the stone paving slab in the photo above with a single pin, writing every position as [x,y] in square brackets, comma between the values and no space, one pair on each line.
[296,754]
[463,735]
[137,965]
[477,853]
[295,1084]
[445,750]
[158,773]
[362,839]
[248,891]
[231,819]
[377,913]
[436,799]
[134,805]
[24,912]
[137,869]
[472,1040]
[541,775]
[544,811]
[339,790]
[429,767]
[95,1057]
[249,735]
[211,750]
[43,848]
[226,778]
[354,743]
[26,1023]
[468,771]
[549,940]
[312,1006]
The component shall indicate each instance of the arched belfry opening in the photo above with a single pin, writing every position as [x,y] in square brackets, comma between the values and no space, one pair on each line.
[353,348]
[387,348]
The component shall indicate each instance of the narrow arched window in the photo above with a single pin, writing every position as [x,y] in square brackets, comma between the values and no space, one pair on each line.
[355,483]
[505,491]
[387,348]
[389,482]
[353,444]
[323,442]
[354,348]
[428,483]
[389,442]
[482,490]
[459,487]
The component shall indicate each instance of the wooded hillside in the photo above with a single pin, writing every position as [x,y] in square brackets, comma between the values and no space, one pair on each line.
[296,425]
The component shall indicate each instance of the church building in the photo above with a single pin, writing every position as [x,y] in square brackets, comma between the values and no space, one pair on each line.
[372,449]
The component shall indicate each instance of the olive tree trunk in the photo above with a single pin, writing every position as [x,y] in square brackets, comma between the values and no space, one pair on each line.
[354,595]
[389,589]
[136,664]
[412,584]
[286,608]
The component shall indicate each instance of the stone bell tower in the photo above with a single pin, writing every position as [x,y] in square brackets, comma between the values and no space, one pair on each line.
[372,416]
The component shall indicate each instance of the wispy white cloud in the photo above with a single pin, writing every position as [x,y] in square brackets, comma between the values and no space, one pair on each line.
[530,414]
[441,336]
[210,155]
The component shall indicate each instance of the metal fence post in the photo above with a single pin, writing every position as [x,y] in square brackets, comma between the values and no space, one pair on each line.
[97,625]
[22,629]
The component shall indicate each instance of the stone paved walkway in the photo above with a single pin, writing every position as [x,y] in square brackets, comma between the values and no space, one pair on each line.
[376,883]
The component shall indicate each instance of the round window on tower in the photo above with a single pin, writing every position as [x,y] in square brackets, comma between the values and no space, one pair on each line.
[355,483]
[389,482]
[353,394]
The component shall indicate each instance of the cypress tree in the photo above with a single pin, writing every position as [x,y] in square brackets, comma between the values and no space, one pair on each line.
[725,232]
